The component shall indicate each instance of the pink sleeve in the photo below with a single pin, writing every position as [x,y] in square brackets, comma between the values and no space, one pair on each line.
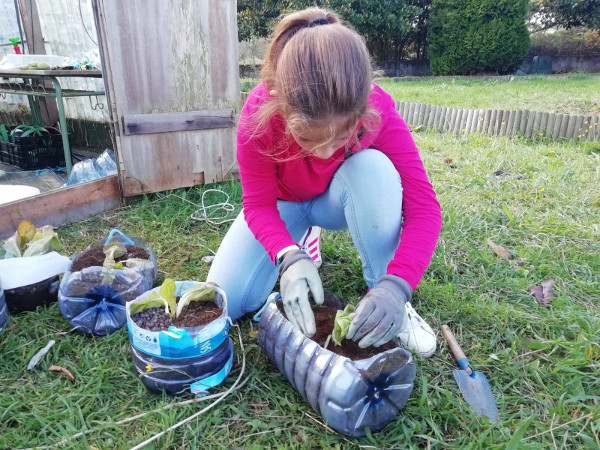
[258,173]
[422,219]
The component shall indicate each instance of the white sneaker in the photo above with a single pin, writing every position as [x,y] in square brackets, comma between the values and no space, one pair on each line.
[310,243]
[416,334]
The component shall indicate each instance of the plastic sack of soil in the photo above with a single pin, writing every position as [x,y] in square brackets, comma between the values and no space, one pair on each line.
[93,299]
[4,315]
[179,359]
[140,257]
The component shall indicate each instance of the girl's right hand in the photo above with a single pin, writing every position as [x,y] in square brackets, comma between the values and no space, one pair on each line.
[299,276]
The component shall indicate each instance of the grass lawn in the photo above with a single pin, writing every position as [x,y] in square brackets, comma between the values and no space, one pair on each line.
[565,94]
[543,363]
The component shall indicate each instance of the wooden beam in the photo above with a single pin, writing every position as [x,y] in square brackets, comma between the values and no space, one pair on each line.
[180,121]
[35,46]
[62,206]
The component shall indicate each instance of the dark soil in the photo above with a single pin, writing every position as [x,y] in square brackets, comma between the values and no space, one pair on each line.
[194,315]
[95,257]
[324,318]
[82,287]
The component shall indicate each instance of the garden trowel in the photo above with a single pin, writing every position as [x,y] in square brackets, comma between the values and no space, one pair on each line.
[473,385]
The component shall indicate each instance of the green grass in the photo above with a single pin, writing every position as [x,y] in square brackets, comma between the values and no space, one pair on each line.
[566,94]
[543,363]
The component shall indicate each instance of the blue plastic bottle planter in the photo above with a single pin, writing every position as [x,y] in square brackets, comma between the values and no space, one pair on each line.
[100,310]
[4,316]
[148,273]
[94,307]
[177,360]
[350,395]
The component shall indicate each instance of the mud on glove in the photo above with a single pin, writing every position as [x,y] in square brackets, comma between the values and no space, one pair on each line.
[380,314]
[299,276]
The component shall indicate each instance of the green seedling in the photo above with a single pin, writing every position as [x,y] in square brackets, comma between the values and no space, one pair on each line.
[32,241]
[196,294]
[112,251]
[154,300]
[342,321]
[165,297]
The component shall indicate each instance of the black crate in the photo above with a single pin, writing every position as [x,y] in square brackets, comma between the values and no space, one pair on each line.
[33,152]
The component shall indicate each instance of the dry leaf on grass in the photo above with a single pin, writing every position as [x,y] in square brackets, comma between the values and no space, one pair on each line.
[502,173]
[499,250]
[545,293]
[62,371]
[548,288]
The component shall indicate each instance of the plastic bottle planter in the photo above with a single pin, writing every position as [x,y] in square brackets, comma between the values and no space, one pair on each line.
[190,359]
[148,272]
[28,298]
[349,395]
[93,306]
[4,316]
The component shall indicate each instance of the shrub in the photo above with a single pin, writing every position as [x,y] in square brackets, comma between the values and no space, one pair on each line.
[474,36]
[571,42]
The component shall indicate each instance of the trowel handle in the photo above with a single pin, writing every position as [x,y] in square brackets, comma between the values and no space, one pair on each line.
[453,344]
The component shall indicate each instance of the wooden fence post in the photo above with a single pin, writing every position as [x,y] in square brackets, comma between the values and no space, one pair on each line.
[550,124]
[409,113]
[510,124]
[570,127]
[516,123]
[530,120]
[578,132]
[543,123]
[557,124]
[492,124]
[431,118]
[469,121]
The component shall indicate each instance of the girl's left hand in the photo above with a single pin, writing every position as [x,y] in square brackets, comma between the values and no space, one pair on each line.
[380,314]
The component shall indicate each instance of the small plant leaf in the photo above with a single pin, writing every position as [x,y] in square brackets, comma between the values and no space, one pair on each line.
[44,241]
[11,246]
[195,294]
[342,321]
[154,300]
[167,291]
[499,250]
[26,232]
[115,250]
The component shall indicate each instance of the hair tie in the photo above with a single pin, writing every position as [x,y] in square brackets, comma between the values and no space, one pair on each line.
[321,21]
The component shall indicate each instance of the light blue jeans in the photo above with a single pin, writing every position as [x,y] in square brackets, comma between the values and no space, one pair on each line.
[364,196]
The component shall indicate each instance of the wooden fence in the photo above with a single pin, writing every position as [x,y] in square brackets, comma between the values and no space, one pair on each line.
[493,122]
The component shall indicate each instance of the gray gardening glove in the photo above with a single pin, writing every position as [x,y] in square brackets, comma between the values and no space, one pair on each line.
[380,314]
[299,276]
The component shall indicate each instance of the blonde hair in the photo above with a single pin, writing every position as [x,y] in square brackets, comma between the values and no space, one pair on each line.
[321,70]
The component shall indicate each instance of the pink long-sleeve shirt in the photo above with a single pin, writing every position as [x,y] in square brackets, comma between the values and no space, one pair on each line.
[270,169]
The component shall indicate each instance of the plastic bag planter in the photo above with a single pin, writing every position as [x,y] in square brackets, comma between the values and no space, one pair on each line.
[349,395]
[4,315]
[93,306]
[28,298]
[147,271]
[179,360]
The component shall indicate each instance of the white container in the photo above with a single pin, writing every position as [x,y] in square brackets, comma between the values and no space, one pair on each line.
[17,61]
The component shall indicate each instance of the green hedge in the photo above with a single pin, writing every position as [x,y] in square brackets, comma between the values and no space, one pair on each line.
[473,36]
